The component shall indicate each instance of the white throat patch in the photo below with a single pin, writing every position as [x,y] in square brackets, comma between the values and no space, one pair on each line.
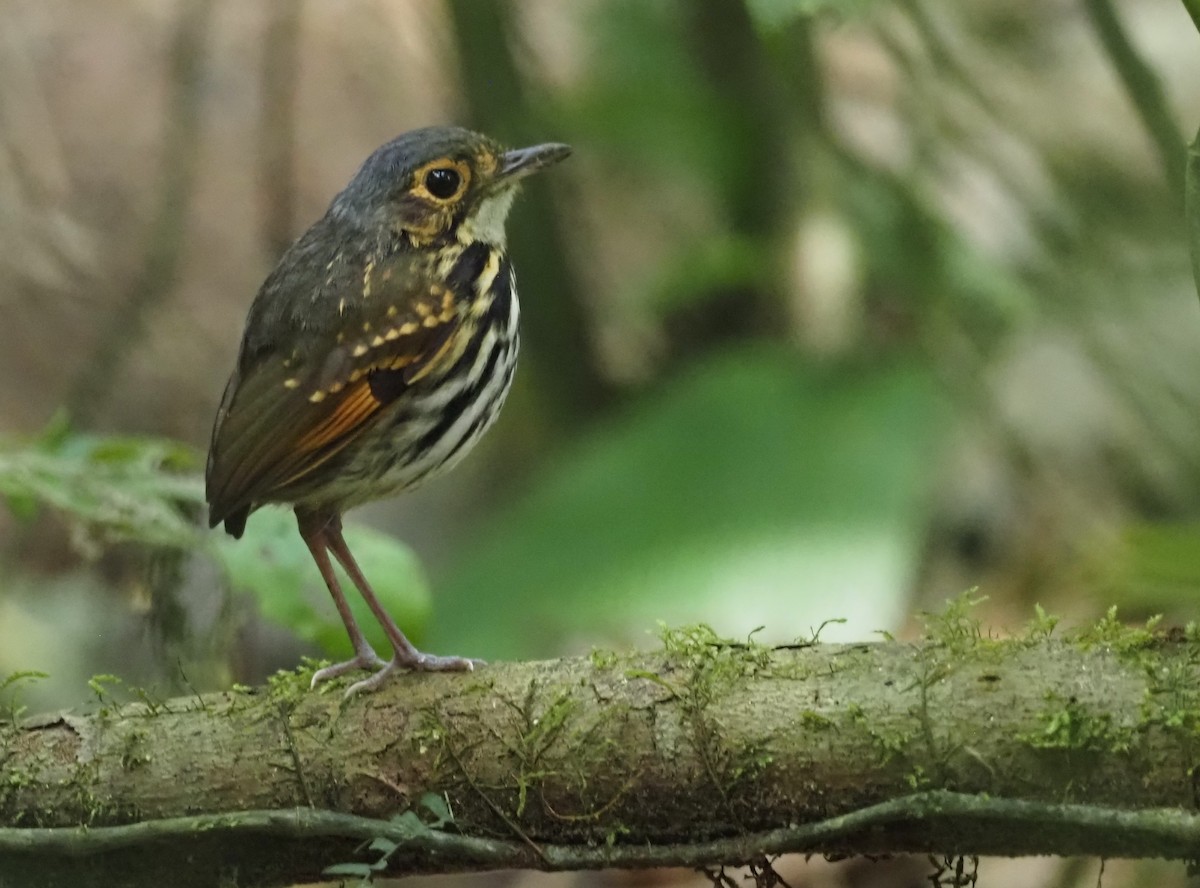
[487,223]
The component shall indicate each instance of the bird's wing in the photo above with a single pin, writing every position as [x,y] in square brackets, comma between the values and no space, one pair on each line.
[287,413]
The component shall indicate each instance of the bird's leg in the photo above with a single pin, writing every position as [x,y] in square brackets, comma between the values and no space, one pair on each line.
[406,655]
[316,530]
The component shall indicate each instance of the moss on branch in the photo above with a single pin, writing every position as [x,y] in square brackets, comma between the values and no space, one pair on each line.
[706,751]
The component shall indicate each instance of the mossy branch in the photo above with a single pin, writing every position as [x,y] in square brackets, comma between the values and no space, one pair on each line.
[709,752]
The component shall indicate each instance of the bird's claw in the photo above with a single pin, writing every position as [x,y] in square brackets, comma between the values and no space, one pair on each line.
[366,659]
[414,661]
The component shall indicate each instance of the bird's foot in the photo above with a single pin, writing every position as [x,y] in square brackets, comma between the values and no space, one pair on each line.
[414,661]
[364,659]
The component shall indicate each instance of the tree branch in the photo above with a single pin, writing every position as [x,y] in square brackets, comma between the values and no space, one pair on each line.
[709,752]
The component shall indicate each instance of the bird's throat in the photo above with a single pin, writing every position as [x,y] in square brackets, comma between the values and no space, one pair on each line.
[487,222]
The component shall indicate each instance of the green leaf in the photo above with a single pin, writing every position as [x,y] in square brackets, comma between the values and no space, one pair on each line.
[114,489]
[410,824]
[436,804]
[382,845]
[273,565]
[754,490]
[356,870]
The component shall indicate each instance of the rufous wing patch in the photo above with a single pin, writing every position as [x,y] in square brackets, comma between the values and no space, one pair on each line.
[354,408]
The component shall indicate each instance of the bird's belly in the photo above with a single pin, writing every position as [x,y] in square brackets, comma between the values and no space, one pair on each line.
[430,429]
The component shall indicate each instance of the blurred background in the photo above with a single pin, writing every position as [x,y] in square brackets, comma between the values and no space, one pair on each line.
[840,308]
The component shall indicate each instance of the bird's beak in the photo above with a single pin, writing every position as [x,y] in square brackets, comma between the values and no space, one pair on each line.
[518,164]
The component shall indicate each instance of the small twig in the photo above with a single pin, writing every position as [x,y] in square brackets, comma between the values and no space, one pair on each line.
[291,745]
[1169,827]
[495,808]
[1144,88]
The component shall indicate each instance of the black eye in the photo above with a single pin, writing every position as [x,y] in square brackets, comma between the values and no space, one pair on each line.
[442,182]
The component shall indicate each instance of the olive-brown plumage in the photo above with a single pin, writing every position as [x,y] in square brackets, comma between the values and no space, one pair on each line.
[376,354]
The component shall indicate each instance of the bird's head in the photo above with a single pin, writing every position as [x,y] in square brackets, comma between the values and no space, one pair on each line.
[442,181]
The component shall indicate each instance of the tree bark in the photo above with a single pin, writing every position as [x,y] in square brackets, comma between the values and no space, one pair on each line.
[707,752]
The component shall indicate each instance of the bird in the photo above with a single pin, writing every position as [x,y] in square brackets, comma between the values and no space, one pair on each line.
[374,356]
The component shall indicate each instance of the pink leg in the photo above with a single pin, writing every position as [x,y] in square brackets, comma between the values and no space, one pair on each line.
[315,530]
[406,656]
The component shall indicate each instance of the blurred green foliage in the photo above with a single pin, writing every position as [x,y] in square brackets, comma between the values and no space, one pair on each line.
[113,489]
[146,491]
[272,564]
[752,470]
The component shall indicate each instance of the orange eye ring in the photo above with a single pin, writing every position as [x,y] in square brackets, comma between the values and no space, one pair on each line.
[442,181]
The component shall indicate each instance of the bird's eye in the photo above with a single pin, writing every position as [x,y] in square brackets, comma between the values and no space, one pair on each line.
[442,182]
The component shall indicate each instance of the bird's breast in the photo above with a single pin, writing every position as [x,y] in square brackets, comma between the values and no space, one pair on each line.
[441,418]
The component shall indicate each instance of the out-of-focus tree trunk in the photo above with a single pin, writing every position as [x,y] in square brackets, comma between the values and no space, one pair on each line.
[555,324]
[277,125]
[121,332]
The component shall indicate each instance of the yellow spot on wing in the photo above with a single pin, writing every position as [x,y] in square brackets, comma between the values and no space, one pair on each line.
[435,359]
[367,279]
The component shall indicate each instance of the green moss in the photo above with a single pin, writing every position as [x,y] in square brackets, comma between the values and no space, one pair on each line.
[1169,663]
[427,740]
[955,628]
[1067,724]
[543,723]
[1172,700]
[135,753]
[1041,627]
[814,721]
[602,658]
[711,664]
[288,687]
[543,727]
[11,709]
[889,745]
[1126,641]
